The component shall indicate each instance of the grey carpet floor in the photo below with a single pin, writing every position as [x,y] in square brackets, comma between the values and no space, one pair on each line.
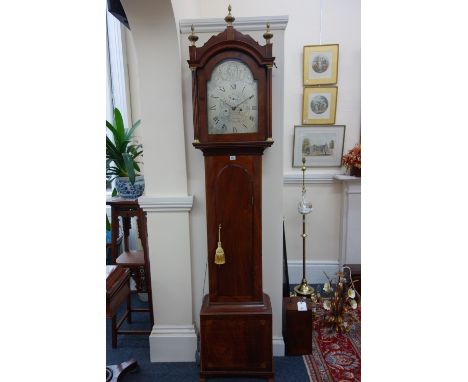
[287,369]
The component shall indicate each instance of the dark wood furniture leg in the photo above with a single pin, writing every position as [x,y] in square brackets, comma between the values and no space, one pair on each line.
[127,226]
[117,292]
[129,307]
[114,332]
[114,234]
[143,234]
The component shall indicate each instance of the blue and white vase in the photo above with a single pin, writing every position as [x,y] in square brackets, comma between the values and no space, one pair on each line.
[127,190]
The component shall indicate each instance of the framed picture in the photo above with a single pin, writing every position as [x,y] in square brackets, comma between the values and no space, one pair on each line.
[320,64]
[319,106]
[322,146]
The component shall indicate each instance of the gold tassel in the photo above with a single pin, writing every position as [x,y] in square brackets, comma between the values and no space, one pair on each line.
[219,255]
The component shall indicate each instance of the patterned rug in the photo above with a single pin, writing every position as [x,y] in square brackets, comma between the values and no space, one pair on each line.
[335,357]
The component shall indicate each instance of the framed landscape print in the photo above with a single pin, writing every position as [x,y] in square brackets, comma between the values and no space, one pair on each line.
[320,64]
[322,146]
[319,105]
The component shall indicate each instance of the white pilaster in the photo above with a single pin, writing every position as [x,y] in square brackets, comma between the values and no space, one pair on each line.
[166,201]
[350,243]
[173,338]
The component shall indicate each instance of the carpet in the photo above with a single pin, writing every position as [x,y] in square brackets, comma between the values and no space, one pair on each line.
[287,369]
[335,357]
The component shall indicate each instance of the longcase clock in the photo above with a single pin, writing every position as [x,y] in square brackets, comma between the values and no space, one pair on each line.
[231,93]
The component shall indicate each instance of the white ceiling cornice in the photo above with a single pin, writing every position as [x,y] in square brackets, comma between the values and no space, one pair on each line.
[241,24]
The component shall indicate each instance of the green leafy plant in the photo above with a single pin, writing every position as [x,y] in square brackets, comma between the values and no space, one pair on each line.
[122,153]
[108,225]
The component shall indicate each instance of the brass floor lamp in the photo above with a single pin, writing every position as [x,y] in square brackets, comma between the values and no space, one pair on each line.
[304,208]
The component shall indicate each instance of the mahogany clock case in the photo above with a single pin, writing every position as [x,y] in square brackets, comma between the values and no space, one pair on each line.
[258,74]
[236,316]
[236,341]
[231,45]
[233,198]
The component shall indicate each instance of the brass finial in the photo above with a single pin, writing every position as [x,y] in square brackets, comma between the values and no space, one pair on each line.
[268,35]
[192,36]
[229,18]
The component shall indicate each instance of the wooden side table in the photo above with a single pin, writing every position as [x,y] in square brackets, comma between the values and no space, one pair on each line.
[137,261]
[297,327]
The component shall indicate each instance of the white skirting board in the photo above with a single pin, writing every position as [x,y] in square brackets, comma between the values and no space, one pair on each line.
[178,343]
[278,346]
[314,271]
[173,343]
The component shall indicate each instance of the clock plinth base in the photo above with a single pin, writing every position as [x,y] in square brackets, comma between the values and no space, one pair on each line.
[236,340]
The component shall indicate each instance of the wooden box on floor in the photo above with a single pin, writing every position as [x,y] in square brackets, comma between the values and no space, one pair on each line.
[297,327]
[236,340]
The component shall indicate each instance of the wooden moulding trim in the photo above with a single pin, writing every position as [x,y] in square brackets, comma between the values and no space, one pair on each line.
[231,39]
[235,147]
[263,307]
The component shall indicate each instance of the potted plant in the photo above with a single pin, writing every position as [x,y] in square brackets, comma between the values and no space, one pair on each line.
[352,161]
[122,156]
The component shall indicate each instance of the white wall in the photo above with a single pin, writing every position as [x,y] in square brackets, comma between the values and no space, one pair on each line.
[322,224]
[340,25]
[341,21]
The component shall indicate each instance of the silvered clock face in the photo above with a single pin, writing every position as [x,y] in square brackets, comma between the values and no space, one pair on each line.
[232,99]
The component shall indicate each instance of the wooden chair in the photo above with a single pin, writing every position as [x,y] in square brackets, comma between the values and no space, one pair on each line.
[117,291]
[137,261]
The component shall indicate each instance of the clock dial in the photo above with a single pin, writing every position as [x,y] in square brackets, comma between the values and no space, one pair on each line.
[232,99]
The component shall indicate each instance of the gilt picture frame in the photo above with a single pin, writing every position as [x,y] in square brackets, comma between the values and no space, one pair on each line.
[321,64]
[319,105]
[322,146]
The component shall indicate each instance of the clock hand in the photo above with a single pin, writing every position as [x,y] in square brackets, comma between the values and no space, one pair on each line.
[227,103]
[240,103]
